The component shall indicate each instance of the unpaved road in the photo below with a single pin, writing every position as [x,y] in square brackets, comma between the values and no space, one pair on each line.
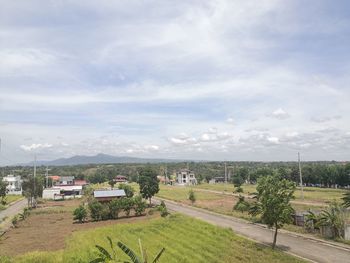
[310,249]
[13,210]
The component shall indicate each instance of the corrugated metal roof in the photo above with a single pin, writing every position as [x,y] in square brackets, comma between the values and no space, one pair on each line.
[109,193]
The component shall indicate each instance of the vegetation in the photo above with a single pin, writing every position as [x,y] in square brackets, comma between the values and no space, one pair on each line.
[3,192]
[128,189]
[241,205]
[163,209]
[180,235]
[346,199]
[191,196]
[80,214]
[273,202]
[149,184]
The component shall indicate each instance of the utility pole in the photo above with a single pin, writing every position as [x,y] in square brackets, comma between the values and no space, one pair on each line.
[301,178]
[34,175]
[47,177]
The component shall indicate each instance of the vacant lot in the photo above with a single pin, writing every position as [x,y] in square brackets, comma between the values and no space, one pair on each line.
[47,228]
[185,239]
[311,194]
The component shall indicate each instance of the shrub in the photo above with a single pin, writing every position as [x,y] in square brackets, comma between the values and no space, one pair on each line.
[105,212]
[129,191]
[80,214]
[95,210]
[191,196]
[115,208]
[14,221]
[241,205]
[163,209]
[140,205]
[127,204]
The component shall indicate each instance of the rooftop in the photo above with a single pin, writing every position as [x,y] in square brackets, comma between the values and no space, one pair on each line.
[109,193]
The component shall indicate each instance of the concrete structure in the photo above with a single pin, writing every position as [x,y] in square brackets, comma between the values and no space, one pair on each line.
[63,192]
[66,180]
[185,177]
[121,179]
[51,193]
[216,180]
[108,195]
[14,184]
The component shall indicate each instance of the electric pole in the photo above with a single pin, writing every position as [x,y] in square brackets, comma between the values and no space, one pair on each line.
[301,178]
[34,175]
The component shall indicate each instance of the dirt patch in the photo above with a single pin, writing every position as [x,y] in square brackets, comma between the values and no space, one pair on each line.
[43,231]
[226,203]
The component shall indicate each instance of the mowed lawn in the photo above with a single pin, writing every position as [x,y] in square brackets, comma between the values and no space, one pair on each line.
[185,239]
[313,194]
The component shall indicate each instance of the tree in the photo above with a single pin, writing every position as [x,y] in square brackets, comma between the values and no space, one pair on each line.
[241,205]
[95,208]
[273,202]
[115,206]
[237,181]
[80,214]
[127,204]
[33,189]
[334,218]
[111,183]
[3,192]
[149,184]
[129,191]
[163,209]
[140,205]
[191,196]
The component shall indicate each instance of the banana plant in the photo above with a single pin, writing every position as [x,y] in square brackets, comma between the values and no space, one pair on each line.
[104,255]
[134,258]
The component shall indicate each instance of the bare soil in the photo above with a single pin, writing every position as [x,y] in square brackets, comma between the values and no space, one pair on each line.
[47,228]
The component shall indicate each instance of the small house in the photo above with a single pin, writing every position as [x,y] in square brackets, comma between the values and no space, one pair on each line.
[186,177]
[108,195]
[66,180]
[121,179]
[14,184]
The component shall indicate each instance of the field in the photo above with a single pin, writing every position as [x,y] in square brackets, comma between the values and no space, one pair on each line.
[311,194]
[185,239]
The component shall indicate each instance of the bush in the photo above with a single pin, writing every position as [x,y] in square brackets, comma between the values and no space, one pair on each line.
[163,209]
[14,221]
[127,204]
[115,208]
[238,190]
[241,205]
[191,196]
[129,191]
[140,205]
[105,212]
[95,210]
[80,214]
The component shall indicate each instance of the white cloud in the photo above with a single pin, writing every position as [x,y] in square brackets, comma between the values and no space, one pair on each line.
[280,114]
[35,146]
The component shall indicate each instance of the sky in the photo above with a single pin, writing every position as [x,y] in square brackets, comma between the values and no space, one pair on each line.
[201,80]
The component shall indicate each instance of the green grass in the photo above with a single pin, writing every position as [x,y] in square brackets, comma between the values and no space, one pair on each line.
[313,194]
[185,239]
[13,198]
[179,193]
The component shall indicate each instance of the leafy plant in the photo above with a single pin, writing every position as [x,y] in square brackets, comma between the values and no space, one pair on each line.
[346,199]
[148,182]
[311,220]
[333,217]
[115,207]
[14,221]
[104,255]
[163,209]
[129,191]
[241,205]
[273,202]
[136,259]
[127,204]
[95,208]
[80,214]
[192,196]
[24,214]
[140,205]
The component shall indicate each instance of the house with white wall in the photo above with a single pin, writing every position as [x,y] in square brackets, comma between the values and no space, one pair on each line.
[14,184]
[185,177]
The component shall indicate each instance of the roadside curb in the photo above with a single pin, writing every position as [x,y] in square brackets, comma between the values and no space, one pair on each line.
[318,240]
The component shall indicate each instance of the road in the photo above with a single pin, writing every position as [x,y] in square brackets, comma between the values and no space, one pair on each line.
[311,249]
[13,210]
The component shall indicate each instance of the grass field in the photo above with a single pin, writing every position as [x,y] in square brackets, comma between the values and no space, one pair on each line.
[313,194]
[185,239]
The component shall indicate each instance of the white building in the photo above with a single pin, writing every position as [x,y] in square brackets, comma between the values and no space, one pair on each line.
[185,177]
[14,184]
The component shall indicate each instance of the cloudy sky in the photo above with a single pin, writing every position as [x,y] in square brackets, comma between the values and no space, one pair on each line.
[216,80]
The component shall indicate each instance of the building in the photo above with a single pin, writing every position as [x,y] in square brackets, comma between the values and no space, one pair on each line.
[121,179]
[108,195]
[219,179]
[185,177]
[55,179]
[66,180]
[14,184]
[80,182]
[63,192]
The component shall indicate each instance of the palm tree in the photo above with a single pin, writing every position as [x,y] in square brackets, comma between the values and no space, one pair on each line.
[333,218]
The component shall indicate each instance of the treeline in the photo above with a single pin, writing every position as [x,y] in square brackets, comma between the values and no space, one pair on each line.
[327,174]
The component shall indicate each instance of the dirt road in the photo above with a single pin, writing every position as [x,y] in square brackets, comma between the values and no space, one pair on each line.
[11,211]
[310,249]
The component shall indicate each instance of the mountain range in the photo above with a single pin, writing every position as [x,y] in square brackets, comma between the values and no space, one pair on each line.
[99,159]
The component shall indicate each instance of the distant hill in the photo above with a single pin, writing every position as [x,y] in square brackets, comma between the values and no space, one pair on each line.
[100,159]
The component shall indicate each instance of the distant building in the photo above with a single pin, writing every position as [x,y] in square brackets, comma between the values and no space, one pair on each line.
[55,179]
[108,195]
[66,180]
[80,182]
[186,177]
[121,179]
[14,184]
[216,180]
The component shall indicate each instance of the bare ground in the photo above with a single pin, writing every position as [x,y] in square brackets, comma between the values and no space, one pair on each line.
[47,228]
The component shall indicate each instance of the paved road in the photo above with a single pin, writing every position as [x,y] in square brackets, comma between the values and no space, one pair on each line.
[13,209]
[300,246]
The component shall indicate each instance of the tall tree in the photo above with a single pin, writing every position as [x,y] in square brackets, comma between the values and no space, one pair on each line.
[273,202]
[148,182]
[3,191]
